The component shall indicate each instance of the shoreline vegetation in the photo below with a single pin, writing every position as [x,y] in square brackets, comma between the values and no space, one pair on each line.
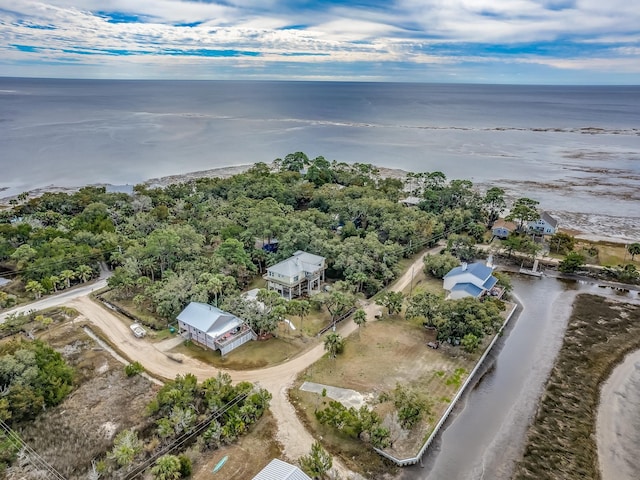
[203,238]
[230,171]
[562,442]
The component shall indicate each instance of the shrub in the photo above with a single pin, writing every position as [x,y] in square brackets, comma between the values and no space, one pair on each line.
[133,369]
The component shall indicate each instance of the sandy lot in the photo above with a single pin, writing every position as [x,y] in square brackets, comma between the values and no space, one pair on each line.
[296,440]
[618,424]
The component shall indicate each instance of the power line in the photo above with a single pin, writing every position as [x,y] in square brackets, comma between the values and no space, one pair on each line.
[32,455]
[185,437]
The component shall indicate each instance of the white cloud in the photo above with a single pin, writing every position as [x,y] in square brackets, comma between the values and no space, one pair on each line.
[413,32]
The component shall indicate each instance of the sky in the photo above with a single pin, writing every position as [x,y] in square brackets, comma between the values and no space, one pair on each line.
[459,41]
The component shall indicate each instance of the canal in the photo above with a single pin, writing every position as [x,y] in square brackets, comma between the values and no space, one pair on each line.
[485,436]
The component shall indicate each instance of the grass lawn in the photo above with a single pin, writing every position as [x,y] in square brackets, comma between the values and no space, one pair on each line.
[376,358]
[561,442]
[612,254]
[251,355]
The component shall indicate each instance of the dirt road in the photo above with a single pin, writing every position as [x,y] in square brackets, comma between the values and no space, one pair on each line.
[295,439]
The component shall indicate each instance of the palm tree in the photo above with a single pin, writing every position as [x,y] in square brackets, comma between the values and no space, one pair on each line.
[304,308]
[333,344]
[125,447]
[84,273]
[67,276]
[167,467]
[360,317]
[55,280]
[35,287]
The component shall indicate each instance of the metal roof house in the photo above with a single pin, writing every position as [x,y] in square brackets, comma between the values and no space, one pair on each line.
[472,280]
[545,225]
[279,470]
[213,328]
[301,273]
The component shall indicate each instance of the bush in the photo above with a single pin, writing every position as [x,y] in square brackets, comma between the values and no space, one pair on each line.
[133,369]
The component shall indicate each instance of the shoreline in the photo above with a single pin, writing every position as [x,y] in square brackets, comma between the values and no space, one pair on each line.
[231,170]
[615,428]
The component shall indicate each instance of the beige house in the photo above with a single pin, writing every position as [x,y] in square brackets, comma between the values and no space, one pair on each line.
[302,273]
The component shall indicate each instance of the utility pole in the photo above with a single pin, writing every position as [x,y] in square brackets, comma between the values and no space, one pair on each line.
[411,287]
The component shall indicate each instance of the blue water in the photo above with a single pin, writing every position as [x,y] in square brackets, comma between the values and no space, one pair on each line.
[565,146]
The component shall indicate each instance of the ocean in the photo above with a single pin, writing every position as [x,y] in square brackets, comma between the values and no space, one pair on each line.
[574,149]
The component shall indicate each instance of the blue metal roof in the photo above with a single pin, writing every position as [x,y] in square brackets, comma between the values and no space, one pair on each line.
[477,269]
[490,283]
[468,288]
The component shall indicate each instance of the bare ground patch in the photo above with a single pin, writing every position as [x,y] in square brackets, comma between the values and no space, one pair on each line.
[376,358]
[104,402]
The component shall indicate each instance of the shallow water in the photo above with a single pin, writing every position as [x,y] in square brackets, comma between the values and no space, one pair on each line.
[486,436]
[575,149]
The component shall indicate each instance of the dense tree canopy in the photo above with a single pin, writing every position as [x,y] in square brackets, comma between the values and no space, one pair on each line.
[202,240]
[32,376]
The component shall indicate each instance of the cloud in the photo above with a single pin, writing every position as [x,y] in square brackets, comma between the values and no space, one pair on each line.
[384,39]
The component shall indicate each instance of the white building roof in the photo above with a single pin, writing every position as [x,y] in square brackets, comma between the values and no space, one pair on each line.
[299,262]
[209,319]
[279,470]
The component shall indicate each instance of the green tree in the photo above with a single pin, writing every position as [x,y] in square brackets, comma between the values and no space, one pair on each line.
[409,405]
[494,204]
[337,301]
[572,262]
[294,162]
[318,463]
[561,243]
[360,317]
[125,447]
[634,249]
[67,276]
[470,342]
[34,287]
[523,210]
[84,273]
[133,369]
[333,344]
[438,266]
[167,467]
[392,301]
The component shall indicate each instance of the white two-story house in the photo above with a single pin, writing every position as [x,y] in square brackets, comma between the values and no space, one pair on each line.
[302,273]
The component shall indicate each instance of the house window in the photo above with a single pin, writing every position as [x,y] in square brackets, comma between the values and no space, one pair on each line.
[295,279]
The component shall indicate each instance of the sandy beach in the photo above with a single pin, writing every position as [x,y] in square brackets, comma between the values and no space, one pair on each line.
[618,423]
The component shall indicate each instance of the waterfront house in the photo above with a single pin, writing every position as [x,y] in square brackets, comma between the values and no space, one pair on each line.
[213,328]
[302,273]
[469,280]
[502,228]
[545,225]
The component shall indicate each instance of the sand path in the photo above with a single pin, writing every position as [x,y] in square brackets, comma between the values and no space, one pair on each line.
[618,422]
[295,439]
